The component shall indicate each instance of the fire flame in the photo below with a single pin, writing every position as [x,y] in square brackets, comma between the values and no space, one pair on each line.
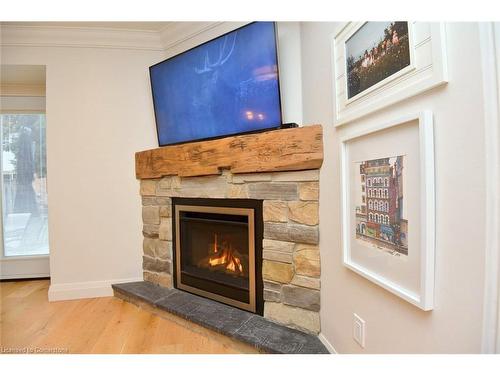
[225,256]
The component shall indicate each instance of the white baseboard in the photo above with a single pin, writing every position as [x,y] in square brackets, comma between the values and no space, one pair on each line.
[25,276]
[24,267]
[327,344]
[90,289]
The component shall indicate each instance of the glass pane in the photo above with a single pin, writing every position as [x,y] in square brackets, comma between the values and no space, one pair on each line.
[214,253]
[24,184]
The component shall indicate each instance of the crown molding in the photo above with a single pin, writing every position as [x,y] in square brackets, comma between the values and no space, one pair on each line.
[179,32]
[174,37]
[82,37]
[178,36]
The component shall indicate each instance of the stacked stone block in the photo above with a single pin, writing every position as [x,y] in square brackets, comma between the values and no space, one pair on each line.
[157,232]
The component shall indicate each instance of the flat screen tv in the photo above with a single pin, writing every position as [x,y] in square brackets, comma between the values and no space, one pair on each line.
[226,86]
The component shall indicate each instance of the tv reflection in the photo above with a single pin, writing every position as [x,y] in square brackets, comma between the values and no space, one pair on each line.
[244,99]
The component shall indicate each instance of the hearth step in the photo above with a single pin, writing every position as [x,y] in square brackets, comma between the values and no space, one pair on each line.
[238,324]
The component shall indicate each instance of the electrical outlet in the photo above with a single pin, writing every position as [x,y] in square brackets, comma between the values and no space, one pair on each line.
[358,330]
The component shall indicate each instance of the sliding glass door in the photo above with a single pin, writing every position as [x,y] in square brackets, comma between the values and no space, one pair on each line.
[24,185]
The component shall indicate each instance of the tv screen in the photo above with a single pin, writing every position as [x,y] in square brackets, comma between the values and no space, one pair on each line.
[226,86]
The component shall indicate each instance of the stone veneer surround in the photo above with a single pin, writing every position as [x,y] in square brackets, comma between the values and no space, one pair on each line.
[291,263]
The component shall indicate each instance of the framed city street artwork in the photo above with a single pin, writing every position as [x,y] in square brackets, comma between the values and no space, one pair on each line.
[388,206]
[377,64]
[380,215]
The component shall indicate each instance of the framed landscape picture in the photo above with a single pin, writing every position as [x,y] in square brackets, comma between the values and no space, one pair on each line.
[378,64]
[388,207]
[376,51]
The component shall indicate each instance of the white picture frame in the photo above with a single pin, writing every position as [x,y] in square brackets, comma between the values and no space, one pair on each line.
[427,69]
[422,295]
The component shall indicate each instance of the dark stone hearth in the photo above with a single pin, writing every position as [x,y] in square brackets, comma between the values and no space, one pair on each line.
[146,291]
[242,325]
[210,314]
[278,339]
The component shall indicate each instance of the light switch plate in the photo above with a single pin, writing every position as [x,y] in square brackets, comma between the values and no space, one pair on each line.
[358,330]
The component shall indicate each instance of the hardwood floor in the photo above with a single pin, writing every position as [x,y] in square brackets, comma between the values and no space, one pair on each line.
[95,325]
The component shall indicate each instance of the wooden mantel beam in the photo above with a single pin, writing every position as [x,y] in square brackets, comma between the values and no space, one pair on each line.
[279,150]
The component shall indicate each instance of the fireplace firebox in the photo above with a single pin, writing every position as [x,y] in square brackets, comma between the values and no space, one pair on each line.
[218,250]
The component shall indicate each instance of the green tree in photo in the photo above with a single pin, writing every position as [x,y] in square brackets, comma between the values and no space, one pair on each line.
[387,56]
[24,137]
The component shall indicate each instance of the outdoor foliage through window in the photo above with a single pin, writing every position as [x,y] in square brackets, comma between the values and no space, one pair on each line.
[24,185]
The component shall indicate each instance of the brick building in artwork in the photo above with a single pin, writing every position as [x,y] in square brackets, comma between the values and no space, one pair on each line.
[379,218]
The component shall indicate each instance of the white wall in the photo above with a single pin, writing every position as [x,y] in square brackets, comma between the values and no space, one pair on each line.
[99,114]
[290,71]
[395,326]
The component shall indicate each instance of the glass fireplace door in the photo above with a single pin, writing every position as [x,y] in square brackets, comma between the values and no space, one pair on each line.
[215,253]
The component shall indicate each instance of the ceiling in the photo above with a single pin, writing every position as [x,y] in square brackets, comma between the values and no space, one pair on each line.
[136,26]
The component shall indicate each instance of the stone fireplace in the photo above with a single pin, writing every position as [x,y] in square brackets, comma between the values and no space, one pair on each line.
[201,232]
